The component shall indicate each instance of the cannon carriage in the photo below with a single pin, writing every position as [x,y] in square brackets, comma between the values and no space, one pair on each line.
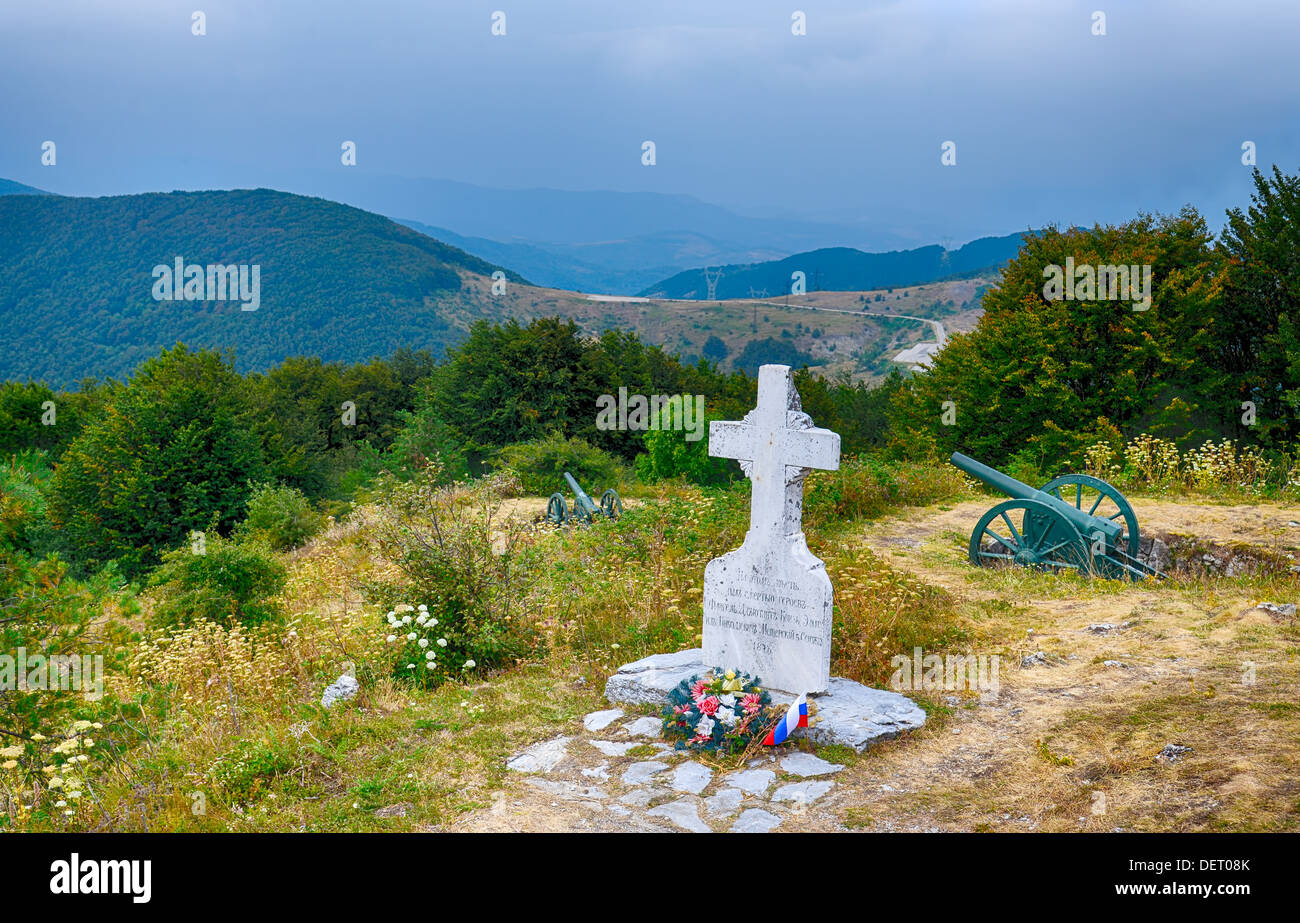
[1075,522]
[584,509]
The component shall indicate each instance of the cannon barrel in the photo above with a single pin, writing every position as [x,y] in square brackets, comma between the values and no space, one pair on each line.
[1004,483]
[580,497]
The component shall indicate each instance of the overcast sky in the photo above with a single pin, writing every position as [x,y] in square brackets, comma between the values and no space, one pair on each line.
[1051,123]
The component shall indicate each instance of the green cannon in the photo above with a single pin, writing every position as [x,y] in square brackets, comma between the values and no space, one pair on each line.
[1076,522]
[584,510]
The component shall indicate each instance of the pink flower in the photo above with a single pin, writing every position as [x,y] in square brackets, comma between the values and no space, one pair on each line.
[750,703]
[708,705]
[697,689]
[682,709]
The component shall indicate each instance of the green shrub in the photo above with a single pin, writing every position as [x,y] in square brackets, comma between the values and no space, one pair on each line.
[541,463]
[866,486]
[281,516]
[472,573]
[669,454]
[227,582]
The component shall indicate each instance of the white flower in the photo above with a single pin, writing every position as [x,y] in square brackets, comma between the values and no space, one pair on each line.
[726,716]
[442,642]
[60,804]
[392,638]
[421,620]
[430,665]
[705,726]
[432,622]
[391,615]
[728,700]
[424,642]
[410,666]
[423,608]
[406,620]
[469,665]
[411,636]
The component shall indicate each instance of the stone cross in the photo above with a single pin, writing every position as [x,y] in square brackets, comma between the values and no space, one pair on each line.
[767,605]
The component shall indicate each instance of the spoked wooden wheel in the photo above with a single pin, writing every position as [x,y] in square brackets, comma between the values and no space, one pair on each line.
[1097,498]
[610,504]
[1028,533]
[556,510]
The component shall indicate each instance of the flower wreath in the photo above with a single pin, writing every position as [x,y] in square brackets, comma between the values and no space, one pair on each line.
[720,711]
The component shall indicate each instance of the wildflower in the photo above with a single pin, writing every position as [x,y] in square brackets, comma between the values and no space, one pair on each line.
[411,636]
[429,655]
[392,638]
[469,664]
[424,642]
[60,804]
[442,642]
[9,764]
[430,665]
[423,608]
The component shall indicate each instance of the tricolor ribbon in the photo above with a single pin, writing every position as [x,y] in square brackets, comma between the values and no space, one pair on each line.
[796,716]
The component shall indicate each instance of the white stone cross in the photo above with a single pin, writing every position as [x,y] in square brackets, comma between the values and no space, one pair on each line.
[768,604]
[780,444]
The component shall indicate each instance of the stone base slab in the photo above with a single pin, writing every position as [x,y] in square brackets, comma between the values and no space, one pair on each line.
[850,713]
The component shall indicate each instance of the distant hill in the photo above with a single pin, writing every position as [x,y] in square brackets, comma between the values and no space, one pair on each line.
[9,187]
[607,267]
[76,281]
[843,269]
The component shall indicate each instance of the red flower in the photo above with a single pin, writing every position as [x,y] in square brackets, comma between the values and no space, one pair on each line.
[709,705]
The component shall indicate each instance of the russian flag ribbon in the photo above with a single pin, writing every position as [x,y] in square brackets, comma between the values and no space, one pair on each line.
[796,716]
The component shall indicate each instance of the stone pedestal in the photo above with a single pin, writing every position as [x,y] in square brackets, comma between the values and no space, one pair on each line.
[850,713]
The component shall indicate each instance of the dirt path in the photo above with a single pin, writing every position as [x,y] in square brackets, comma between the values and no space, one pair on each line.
[1095,681]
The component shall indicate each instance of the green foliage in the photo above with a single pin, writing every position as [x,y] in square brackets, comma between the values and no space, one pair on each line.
[541,464]
[867,486]
[280,516]
[230,582]
[769,351]
[672,454]
[336,282]
[1048,376]
[1258,327]
[167,456]
[470,569]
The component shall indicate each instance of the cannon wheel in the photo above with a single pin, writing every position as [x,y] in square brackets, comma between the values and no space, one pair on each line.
[1097,498]
[1028,533]
[610,504]
[555,509]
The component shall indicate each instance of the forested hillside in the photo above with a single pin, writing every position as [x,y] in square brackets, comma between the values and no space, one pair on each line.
[844,269]
[77,289]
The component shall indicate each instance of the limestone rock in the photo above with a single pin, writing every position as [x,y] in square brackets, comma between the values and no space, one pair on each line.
[599,720]
[645,727]
[649,680]
[755,820]
[640,773]
[342,689]
[805,764]
[692,777]
[540,757]
[613,748]
[802,793]
[684,813]
[724,802]
[751,781]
